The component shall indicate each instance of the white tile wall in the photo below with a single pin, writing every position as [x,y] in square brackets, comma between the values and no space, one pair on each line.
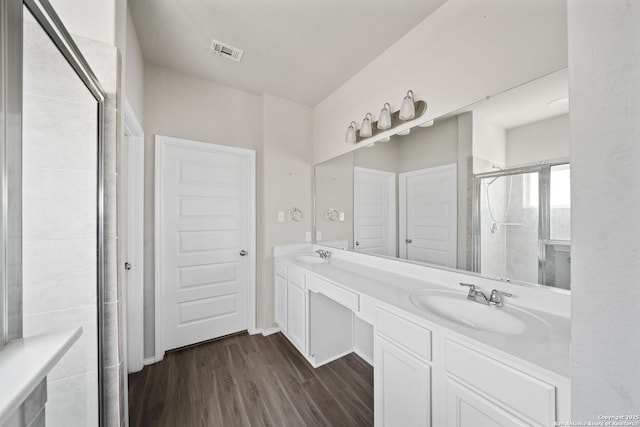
[73,401]
[57,274]
[82,357]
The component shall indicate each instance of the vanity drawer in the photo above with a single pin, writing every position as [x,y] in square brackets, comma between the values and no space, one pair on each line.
[410,335]
[514,389]
[281,270]
[338,294]
[296,277]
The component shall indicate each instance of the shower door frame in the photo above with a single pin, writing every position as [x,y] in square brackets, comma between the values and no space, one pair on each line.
[544,213]
[11,71]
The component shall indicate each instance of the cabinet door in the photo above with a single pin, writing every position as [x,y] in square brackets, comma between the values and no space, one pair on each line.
[296,317]
[281,303]
[402,387]
[465,408]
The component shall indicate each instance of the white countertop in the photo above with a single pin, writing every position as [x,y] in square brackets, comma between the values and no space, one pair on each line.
[25,362]
[546,348]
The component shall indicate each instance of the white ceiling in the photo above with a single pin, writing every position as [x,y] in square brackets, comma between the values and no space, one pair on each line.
[528,103]
[301,50]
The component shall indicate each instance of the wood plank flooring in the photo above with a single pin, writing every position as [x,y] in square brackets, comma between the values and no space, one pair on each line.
[250,380]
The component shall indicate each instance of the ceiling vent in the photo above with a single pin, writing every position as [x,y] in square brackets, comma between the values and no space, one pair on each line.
[226,51]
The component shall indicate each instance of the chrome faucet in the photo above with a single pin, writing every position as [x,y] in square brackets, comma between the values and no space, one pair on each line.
[325,255]
[478,296]
[496,297]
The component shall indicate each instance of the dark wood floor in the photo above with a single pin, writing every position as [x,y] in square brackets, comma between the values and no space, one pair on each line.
[250,380]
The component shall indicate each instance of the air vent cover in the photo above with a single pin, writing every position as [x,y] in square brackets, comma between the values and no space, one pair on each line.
[226,51]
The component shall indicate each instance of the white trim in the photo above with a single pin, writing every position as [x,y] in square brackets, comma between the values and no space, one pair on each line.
[149,361]
[131,243]
[332,359]
[363,356]
[132,125]
[402,204]
[161,142]
[270,331]
[391,201]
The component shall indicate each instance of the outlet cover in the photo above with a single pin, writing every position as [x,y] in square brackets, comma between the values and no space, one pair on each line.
[318,236]
[341,217]
[307,236]
[280,216]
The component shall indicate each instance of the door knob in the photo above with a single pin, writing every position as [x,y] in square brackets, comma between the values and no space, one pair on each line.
[243,253]
[127,266]
[357,243]
[408,241]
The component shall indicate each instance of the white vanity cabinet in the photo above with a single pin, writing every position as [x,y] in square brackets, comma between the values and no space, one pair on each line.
[297,309]
[402,374]
[314,314]
[291,304]
[425,374]
[483,391]
[423,378]
[280,303]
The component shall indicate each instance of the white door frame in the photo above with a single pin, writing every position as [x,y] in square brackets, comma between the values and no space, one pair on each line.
[391,220]
[162,142]
[132,242]
[402,202]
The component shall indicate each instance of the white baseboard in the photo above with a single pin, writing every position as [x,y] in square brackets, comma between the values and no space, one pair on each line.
[324,362]
[270,331]
[149,361]
[363,356]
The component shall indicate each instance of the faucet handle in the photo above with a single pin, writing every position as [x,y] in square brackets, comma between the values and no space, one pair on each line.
[472,288]
[495,298]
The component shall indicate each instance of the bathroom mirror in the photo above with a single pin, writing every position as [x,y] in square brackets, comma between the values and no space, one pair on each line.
[484,189]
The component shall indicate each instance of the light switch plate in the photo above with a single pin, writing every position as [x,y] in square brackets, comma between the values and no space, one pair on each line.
[307,236]
[280,216]
[341,217]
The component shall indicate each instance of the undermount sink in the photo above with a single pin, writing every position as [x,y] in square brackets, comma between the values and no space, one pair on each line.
[455,307]
[309,259]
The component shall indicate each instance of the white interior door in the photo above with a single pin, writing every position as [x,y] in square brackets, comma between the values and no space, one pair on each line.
[205,239]
[374,212]
[429,216]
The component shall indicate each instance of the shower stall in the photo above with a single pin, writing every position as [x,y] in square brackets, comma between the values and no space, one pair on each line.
[521,224]
[53,186]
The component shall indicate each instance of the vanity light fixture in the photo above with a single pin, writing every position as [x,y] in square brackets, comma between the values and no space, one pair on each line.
[426,124]
[387,121]
[407,108]
[366,130]
[384,119]
[350,137]
[385,139]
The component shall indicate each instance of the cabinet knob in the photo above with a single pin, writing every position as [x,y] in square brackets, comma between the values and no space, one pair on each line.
[243,253]
[408,241]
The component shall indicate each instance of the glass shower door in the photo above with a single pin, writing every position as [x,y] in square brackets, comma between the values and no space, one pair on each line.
[60,222]
[508,226]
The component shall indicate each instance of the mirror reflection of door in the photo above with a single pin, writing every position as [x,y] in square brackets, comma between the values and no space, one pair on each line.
[374,212]
[428,215]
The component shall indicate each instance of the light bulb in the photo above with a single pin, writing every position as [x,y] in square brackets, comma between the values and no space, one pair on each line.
[350,137]
[365,130]
[407,108]
[384,119]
